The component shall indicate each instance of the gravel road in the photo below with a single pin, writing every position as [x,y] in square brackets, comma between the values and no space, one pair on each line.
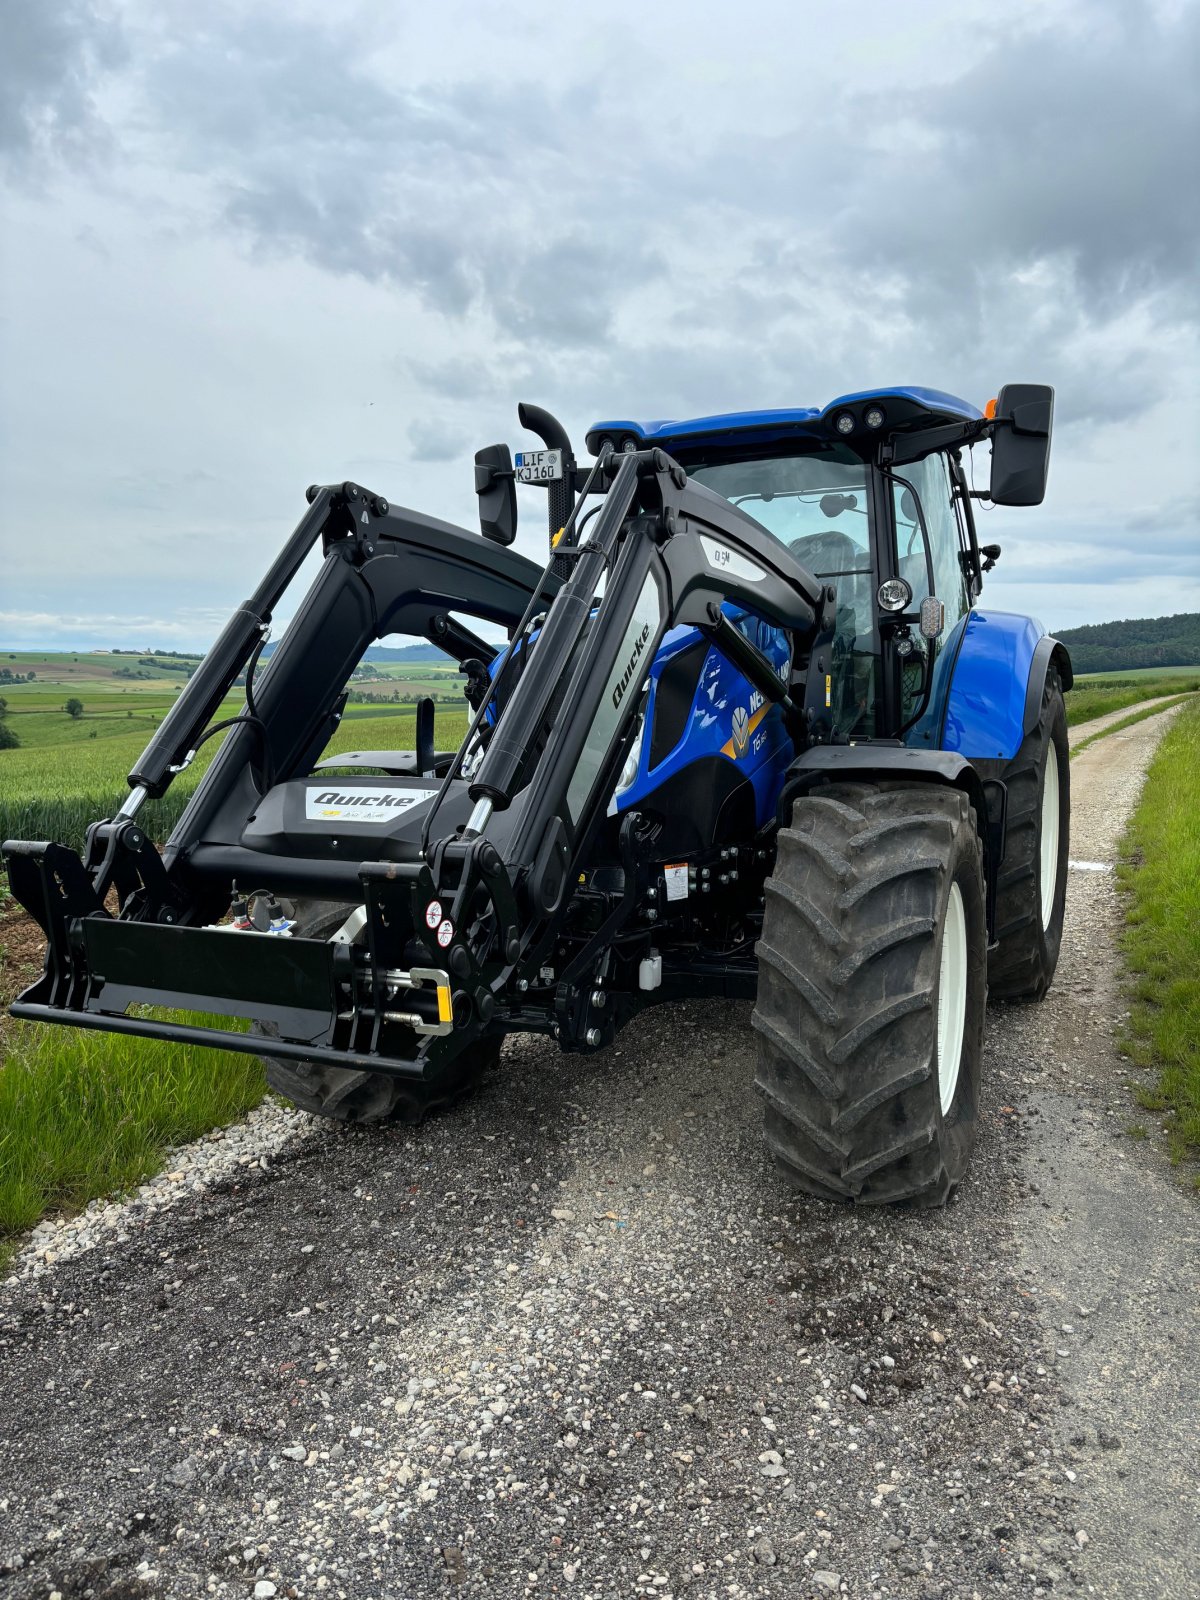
[574,1339]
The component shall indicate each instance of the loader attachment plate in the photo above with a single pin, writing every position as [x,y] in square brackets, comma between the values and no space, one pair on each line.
[289,982]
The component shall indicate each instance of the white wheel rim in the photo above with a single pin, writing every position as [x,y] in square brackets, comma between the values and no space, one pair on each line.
[952,997]
[1049,843]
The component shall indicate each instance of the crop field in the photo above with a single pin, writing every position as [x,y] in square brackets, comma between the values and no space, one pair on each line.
[1100,693]
[61,778]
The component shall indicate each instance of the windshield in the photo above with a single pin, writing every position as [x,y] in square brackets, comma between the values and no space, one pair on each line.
[816,505]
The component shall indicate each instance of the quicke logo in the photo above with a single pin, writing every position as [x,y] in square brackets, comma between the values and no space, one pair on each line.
[622,682]
[397,801]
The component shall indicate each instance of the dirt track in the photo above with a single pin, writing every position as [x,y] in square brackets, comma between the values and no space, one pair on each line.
[574,1339]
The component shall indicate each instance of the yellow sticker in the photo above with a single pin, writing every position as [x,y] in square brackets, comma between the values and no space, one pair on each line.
[555,540]
[445,1009]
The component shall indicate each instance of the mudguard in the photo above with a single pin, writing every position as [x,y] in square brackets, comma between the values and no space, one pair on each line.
[996,682]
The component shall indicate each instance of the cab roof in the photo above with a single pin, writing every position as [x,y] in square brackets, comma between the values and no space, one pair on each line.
[905,410]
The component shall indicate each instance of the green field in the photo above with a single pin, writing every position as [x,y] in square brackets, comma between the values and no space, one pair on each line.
[71,770]
[1162,944]
[1136,674]
[1102,693]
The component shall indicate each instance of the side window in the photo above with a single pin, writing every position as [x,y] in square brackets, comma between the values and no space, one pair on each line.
[932,482]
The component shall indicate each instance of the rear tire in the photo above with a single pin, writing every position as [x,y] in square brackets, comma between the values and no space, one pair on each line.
[1030,902]
[351,1095]
[874,938]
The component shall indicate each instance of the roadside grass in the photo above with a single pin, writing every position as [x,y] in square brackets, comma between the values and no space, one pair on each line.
[1097,697]
[1161,872]
[1127,722]
[87,1114]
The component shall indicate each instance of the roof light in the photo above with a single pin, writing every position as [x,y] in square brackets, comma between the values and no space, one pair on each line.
[894,595]
[844,422]
[989,410]
[873,416]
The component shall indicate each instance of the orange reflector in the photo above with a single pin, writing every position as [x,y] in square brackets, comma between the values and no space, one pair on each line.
[989,410]
[445,1009]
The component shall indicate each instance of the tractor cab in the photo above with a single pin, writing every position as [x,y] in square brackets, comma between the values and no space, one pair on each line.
[870,495]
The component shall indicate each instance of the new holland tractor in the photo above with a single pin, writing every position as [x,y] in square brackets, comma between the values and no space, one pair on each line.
[748,733]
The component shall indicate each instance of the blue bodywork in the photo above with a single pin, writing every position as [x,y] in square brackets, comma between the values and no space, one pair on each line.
[758,744]
[915,406]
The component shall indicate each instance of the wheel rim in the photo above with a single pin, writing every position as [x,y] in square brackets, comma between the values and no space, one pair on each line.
[1049,844]
[952,997]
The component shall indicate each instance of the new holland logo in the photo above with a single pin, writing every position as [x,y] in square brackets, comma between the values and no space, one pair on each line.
[741,728]
[622,683]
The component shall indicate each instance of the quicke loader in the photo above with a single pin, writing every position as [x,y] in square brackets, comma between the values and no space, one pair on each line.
[750,734]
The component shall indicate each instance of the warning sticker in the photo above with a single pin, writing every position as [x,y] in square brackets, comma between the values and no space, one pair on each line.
[445,933]
[433,913]
[677,881]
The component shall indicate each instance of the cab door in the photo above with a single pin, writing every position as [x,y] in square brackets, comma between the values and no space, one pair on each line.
[929,556]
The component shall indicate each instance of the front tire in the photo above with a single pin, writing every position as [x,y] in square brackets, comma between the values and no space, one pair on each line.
[1031,889]
[354,1095]
[872,992]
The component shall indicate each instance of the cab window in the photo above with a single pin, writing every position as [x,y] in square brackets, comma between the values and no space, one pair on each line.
[938,569]
[817,506]
[928,558]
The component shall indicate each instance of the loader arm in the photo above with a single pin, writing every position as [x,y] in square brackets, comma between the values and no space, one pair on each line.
[499,850]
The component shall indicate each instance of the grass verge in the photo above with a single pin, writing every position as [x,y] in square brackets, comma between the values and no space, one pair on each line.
[1090,699]
[87,1114]
[1161,872]
[1128,722]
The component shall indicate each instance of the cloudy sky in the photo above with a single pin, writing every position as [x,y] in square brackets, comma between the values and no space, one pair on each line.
[249,246]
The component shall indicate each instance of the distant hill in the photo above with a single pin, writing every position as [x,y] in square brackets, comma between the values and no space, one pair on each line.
[1143,642]
[414,653]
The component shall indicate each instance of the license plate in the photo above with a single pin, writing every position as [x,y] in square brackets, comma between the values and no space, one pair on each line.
[539,466]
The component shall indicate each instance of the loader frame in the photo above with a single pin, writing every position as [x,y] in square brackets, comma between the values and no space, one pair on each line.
[501,851]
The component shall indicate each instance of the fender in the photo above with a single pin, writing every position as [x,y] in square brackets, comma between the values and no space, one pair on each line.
[995,693]
[871,762]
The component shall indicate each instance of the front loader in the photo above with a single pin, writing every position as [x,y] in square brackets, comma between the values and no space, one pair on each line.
[748,733]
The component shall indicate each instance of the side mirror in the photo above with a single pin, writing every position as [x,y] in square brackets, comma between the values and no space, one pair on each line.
[1021,444]
[497,490]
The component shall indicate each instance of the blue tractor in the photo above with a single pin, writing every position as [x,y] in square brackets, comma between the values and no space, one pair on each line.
[748,733]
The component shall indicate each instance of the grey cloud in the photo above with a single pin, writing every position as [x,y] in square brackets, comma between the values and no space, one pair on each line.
[431,440]
[52,59]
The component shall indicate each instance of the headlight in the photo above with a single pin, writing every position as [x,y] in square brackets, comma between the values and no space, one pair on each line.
[894,595]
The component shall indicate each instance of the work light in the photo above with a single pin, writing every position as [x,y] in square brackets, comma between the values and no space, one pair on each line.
[894,595]
[844,422]
[873,416]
